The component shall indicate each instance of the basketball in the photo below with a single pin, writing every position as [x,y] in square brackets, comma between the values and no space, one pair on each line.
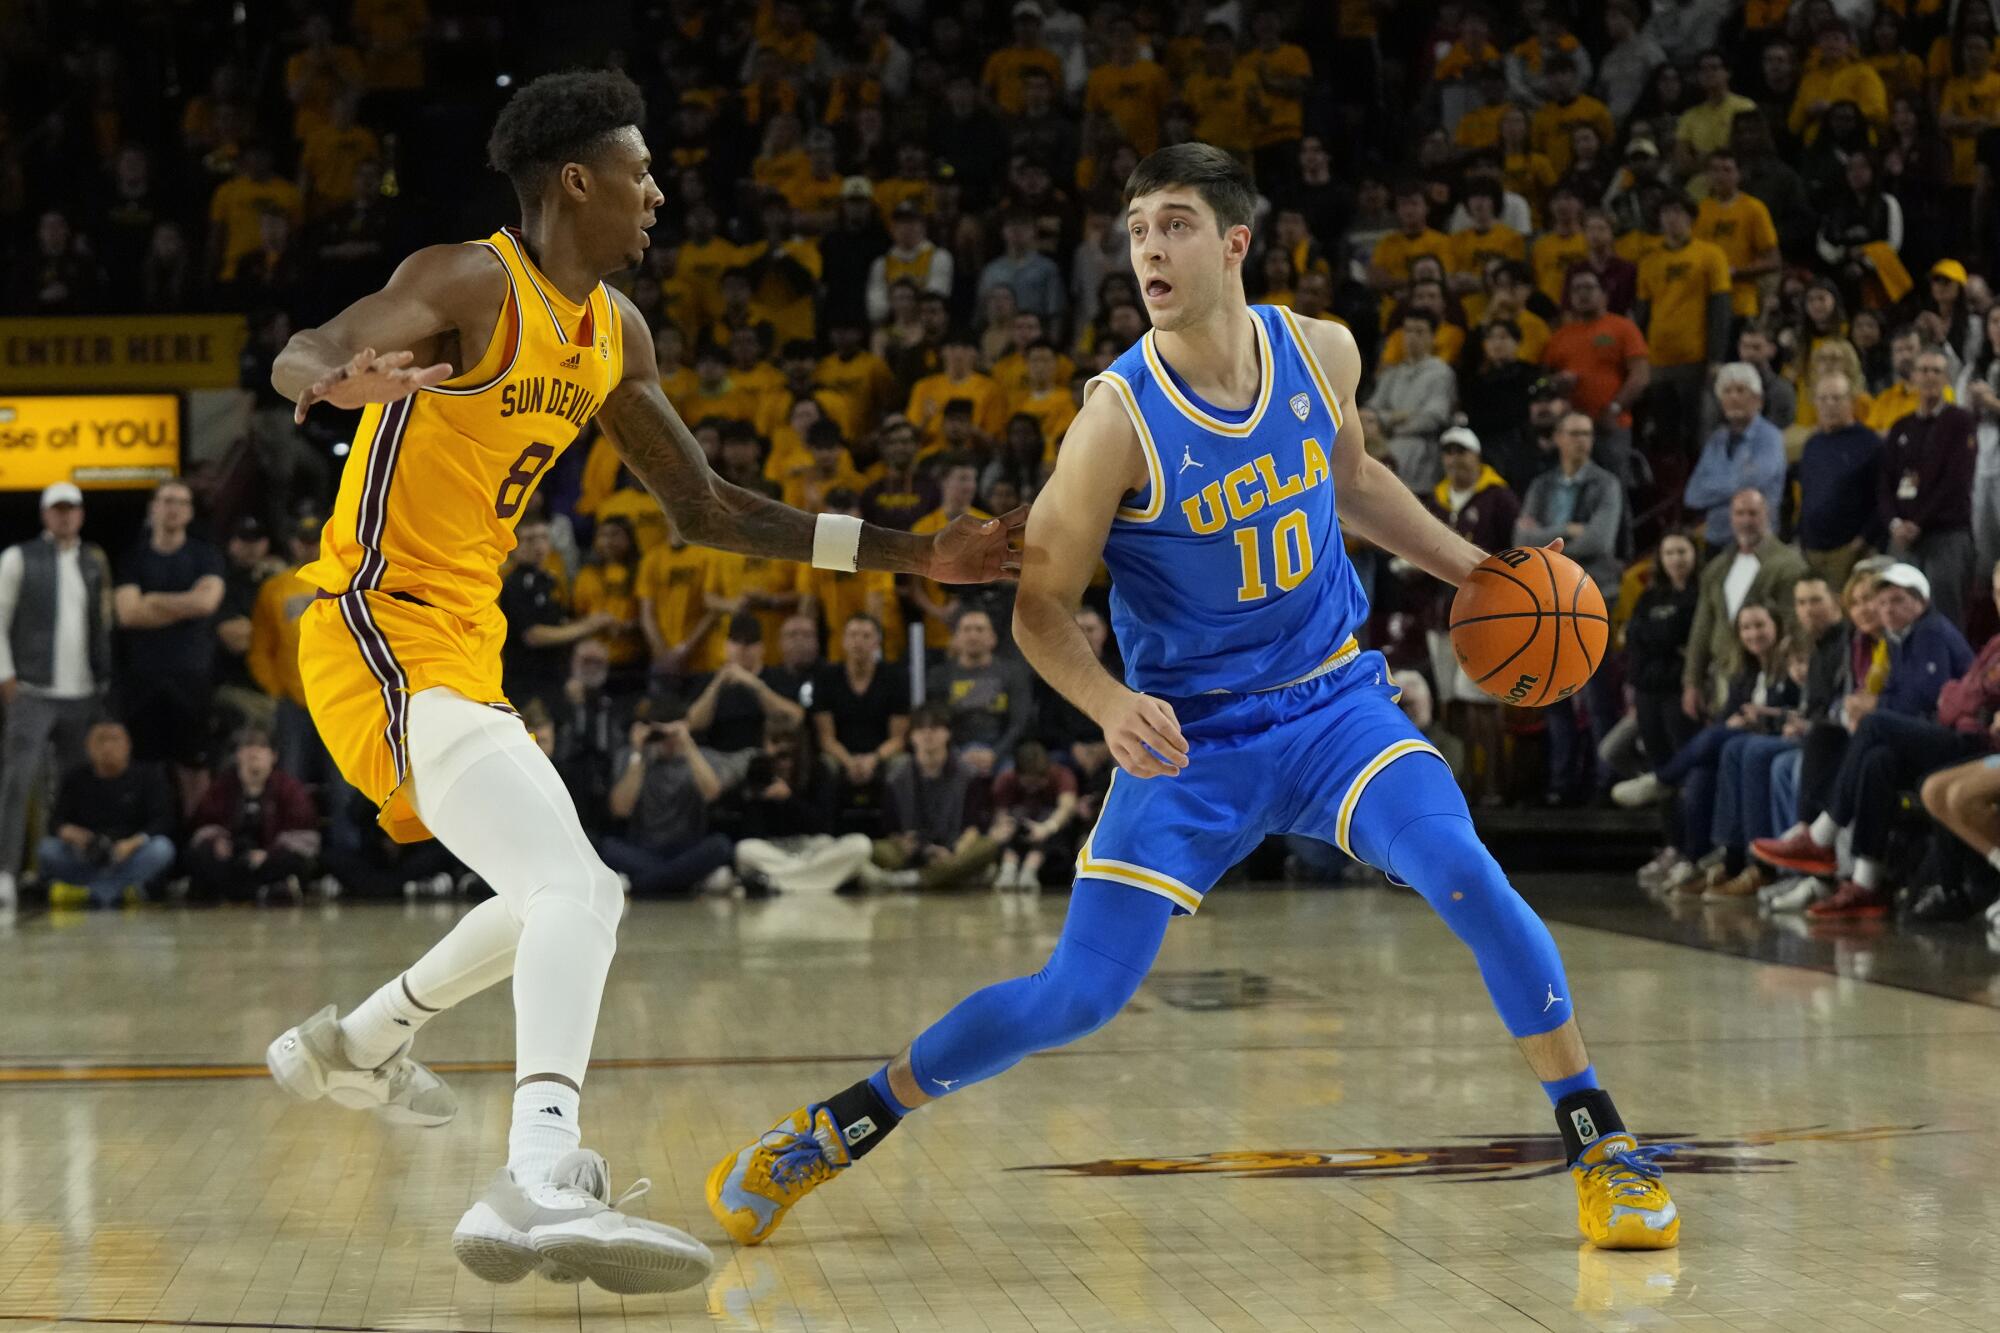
[1528,626]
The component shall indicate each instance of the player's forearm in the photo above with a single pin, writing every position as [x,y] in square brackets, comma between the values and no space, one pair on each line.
[308,357]
[1046,632]
[1378,507]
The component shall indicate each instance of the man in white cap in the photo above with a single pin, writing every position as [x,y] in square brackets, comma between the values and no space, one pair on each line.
[55,659]
[1896,744]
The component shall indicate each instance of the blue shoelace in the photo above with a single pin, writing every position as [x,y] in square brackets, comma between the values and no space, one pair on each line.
[797,1156]
[1634,1170]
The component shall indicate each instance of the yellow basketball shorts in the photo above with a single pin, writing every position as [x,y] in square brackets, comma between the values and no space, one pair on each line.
[362,654]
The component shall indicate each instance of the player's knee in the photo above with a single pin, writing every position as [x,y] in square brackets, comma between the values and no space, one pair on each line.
[1936,794]
[1081,991]
[582,881]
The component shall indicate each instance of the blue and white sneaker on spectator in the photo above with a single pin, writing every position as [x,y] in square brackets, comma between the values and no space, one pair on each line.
[310,1062]
[569,1229]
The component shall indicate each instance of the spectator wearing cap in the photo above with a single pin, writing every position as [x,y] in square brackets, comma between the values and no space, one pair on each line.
[912,256]
[729,709]
[1896,744]
[1926,487]
[1838,74]
[250,563]
[960,377]
[113,822]
[1839,484]
[273,658]
[1036,281]
[1947,314]
[169,586]
[1745,451]
[848,252]
[1004,75]
[255,826]
[1413,400]
[1684,303]
[1471,498]
[1636,186]
[1567,107]
[55,659]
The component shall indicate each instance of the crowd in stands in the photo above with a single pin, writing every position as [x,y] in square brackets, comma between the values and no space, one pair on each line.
[1694,286]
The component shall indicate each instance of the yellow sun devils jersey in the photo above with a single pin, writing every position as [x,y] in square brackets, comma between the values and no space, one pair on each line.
[436,481]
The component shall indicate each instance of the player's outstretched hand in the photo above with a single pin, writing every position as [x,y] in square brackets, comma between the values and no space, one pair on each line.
[369,378]
[979,550]
[1145,736]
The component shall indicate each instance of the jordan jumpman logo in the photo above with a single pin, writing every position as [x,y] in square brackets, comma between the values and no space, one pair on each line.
[1553,1000]
[1188,459]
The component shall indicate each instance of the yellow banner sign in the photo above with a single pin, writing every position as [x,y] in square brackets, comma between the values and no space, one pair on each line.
[103,441]
[121,352]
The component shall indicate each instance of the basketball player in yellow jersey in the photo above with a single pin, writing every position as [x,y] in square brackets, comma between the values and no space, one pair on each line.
[475,368]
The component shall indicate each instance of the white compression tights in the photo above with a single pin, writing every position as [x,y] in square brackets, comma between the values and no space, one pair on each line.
[494,800]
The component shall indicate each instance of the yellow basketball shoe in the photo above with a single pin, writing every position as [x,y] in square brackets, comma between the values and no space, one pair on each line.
[751,1190]
[1620,1202]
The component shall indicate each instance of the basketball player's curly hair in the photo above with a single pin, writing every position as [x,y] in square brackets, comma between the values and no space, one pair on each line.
[1210,172]
[561,118]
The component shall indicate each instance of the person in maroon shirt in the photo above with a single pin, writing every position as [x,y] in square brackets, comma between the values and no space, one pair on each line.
[1926,487]
[1618,277]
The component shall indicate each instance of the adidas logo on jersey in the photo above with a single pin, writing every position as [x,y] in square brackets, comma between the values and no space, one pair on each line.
[573,361]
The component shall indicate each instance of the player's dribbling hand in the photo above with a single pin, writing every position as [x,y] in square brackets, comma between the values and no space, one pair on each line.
[368,378]
[979,550]
[1145,736]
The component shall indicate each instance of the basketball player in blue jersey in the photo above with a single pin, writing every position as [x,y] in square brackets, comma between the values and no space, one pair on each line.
[1213,468]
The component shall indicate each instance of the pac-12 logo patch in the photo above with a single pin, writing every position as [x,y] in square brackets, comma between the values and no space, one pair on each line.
[1301,405]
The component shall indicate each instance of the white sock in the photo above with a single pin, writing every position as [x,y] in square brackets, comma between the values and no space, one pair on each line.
[545,1128]
[1824,830]
[1993,858]
[1866,873]
[380,1024]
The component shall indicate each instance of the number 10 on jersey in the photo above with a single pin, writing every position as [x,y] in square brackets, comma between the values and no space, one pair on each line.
[1291,556]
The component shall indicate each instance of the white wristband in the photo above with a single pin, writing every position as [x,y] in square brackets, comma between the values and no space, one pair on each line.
[837,542]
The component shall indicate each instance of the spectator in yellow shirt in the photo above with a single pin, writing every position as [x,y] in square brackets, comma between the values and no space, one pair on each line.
[960,378]
[1002,76]
[1706,126]
[715,394]
[1479,127]
[319,75]
[607,585]
[1568,106]
[1010,372]
[1740,226]
[1524,171]
[1969,106]
[1389,265]
[1837,75]
[1684,309]
[782,163]
[1561,246]
[236,211]
[1129,89]
[1045,395]
[704,257]
[1487,239]
[860,377]
[1283,72]
[1510,284]
[682,633]
[828,468]
[334,151]
[957,487]
[833,596]
[1223,94]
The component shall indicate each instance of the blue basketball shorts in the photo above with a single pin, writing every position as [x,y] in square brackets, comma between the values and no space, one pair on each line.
[1290,760]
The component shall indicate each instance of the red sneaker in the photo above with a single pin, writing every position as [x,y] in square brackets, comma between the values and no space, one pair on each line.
[1850,902]
[1798,854]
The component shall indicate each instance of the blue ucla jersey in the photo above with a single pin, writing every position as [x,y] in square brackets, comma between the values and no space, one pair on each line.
[1228,571]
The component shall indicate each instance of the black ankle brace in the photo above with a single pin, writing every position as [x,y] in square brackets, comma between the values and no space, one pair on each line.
[1584,1118]
[864,1119]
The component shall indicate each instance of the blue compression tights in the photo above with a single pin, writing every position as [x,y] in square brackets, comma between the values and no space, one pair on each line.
[1109,940]
[1411,821]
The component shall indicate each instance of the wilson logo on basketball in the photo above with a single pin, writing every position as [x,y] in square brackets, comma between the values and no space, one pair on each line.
[1522,685]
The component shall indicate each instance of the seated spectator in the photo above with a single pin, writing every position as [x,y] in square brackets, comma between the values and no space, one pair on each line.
[799,660]
[113,822]
[1838,484]
[937,809]
[1656,638]
[1414,399]
[1063,728]
[991,699]
[1035,817]
[1965,801]
[666,784]
[1928,465]
[1746,451]
[1756,568]
[590,726]
[541,632]
[786,813]
[255,827]
[1894,746]
[860,712]
[732,708]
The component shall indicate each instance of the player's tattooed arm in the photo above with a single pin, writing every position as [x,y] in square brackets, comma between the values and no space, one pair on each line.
[1374,503]
[709,510]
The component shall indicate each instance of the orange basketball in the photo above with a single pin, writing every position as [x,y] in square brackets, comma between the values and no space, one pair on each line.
[1528,626]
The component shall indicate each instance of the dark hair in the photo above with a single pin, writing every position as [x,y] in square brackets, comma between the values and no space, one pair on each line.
[1678,199]
[560,118]
[253,735]
[1511,329]
[824,434]
[1039,345]
[746,629]
[795,348]
[1422,316]
[931,717]
[864,616]
[1489,190]
[1210,172]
